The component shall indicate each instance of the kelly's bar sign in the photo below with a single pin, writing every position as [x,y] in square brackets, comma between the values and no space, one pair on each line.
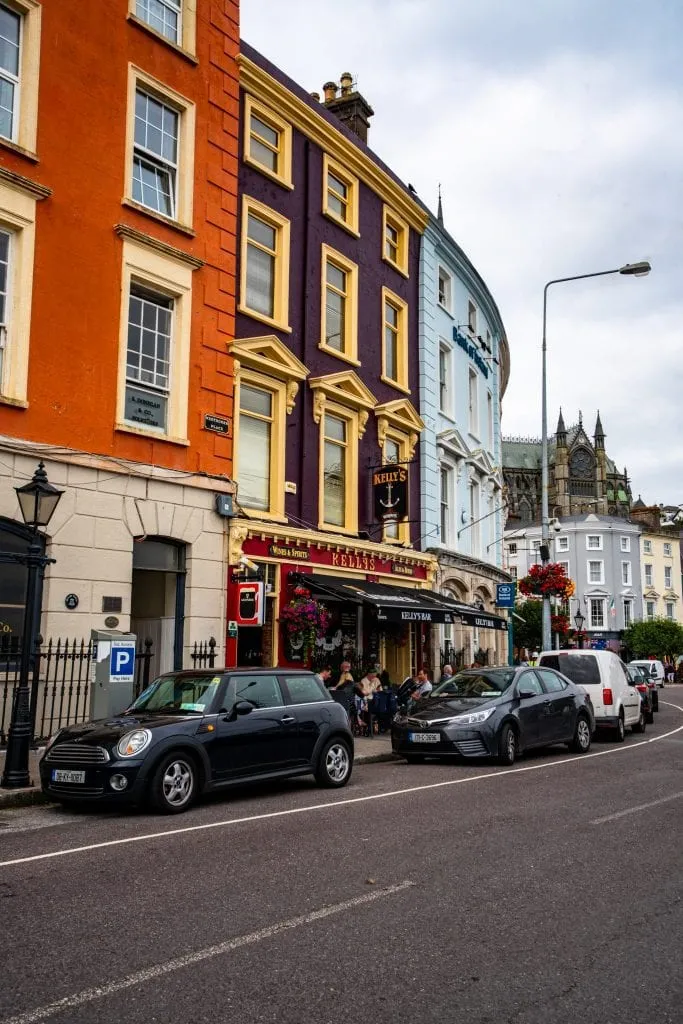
[390,493]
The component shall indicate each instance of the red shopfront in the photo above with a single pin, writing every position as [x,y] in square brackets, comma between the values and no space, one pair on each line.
[371,621]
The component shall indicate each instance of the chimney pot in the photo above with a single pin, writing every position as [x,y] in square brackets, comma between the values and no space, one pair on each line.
[330,91]
[346,81]
[316,96]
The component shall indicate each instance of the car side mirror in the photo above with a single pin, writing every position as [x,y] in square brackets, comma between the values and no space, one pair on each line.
[243,707]
[525,692]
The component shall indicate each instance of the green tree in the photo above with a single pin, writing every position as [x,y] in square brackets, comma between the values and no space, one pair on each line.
[658,638]
[528,633]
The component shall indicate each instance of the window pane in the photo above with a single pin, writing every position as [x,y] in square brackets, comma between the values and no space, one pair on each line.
[254,461]
[392,451]
[9,40]
[149,339]
[162,15]
[334,483]
[336,277]
[261,691]
[391,353]
[259,231]
[4,273]
[262,154]
[335,428]
[260,281]
[337,186]
[156,126]
[335,329]
[6,108]
[264,131]
[305,690]
[256,400]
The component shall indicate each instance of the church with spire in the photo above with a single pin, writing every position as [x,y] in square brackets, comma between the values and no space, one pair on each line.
[582,477]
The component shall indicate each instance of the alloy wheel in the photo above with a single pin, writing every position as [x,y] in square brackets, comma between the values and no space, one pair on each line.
[337,762]
[583,734]
[178,783]
[511,745]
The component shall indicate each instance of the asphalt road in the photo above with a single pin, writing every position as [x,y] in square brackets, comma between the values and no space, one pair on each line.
[433,893]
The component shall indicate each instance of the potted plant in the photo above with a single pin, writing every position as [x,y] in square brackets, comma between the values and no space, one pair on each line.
[549,580]
[305,620]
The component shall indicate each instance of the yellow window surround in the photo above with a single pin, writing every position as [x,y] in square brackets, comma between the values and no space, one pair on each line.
[351,419]
[397,533]
[280,254]
[399,417]
[259,143]
[277,389]
[395,238]
[340,195]
[184,173]
[349,294]
[395,331]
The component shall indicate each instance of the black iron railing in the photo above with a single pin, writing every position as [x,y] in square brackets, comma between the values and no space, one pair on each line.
[203,653]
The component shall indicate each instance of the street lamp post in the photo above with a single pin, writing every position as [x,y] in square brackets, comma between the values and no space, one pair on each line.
[579,620]
[38,500]
[631,270]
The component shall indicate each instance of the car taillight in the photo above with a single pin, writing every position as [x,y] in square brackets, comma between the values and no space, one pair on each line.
[641,688]
[607,696]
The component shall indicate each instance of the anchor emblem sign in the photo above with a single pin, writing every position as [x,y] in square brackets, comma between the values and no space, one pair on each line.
[390,493]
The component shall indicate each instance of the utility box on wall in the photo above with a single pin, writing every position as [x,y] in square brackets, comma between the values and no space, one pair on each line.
[113,681]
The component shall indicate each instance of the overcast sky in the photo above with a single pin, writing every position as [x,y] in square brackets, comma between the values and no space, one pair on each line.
[554,127]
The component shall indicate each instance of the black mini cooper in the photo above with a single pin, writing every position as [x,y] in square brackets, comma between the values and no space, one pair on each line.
[195,731]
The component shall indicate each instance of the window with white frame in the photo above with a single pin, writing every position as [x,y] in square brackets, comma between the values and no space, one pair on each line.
[5,250]
[148,358]
[648,574]
[626,577]
[597,612]
[474,403]
[155,154]
[512,569]
[512,548]
[628,612]
[667,577]
[162,15]
[10,54]
[562,543]
[649,610]
[444,503]
[594,541]
[625,543]
[536,545]
[445,289]
[596,571]
[471,317]
[647,547]
[670,610]
[489,419]
[475,512]
[667,549]
[565,566]
[445,380]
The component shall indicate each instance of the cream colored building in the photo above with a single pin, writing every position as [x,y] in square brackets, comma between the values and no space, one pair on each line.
[660,563]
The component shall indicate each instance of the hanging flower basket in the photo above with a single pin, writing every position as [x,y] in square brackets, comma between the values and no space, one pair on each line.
[305,620]
[549,580]
[559,624]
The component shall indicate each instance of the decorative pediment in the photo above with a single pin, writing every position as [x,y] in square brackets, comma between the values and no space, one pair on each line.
[345,388]
[268,355]
[482,461]
[453,443]
[650,593]
[399,415]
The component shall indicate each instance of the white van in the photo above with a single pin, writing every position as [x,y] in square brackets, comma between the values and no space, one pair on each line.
[654,669]
[602,674]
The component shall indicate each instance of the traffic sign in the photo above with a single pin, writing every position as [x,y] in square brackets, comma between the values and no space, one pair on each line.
[505,595]
[122,661]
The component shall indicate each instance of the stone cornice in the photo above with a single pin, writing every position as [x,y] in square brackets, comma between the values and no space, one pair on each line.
[22,184]
[150,242]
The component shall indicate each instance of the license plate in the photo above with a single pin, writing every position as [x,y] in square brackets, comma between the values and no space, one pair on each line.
[61,775]
[424,737]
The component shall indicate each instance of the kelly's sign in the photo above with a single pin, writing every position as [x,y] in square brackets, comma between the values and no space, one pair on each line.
[390,493]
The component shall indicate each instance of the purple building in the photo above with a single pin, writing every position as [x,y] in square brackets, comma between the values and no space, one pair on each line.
[326,380]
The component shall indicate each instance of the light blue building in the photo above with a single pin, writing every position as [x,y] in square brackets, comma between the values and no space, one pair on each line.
[464,370]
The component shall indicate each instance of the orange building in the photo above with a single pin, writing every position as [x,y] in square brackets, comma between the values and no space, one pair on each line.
[118,196]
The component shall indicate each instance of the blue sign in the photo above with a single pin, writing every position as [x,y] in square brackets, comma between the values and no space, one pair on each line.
[471,351]
[505,595]
[122,661]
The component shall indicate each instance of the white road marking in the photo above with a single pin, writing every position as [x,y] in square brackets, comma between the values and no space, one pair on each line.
[577,760]
[634,810]
[89,995]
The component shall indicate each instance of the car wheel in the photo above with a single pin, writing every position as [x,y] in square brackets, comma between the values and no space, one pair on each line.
[334,764]
[174,784]
[655,701]
[414,758]
[581,743]
[508,746]
[620,732]
[650,717]
[640,724]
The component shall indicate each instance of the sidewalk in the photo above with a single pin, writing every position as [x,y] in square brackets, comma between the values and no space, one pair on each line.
[367,751]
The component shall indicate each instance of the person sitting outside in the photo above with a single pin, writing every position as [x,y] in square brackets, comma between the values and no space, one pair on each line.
[446,674]
[369,684]
[423,688]
[345,676]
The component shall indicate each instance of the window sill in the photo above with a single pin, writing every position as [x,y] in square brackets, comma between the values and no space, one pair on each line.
[185,229]
[338,355]
[267,172]
[144,27]
[342,530]
[255,514]
[447,416]
[277,324]
[18,403]
[28,154]
[151,435]
[354,232]
[395,384]
[446,310]
[403,271]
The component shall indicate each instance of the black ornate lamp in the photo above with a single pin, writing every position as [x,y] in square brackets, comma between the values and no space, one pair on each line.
[579,620]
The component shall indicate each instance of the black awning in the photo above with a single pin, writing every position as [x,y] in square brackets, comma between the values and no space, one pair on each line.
[472,616]
[392,604]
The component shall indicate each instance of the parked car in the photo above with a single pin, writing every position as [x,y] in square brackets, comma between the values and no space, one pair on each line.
[655,669]
[641,675]
[603,675]
[642,685]
[495,712]
[196,731]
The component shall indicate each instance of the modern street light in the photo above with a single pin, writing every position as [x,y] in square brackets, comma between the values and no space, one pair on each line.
[579,620]
[640,269]
[38,500]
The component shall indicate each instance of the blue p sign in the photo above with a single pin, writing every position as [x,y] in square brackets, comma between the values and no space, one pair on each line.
[122,661]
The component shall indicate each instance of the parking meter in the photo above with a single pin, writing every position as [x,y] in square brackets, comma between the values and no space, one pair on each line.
[113,675]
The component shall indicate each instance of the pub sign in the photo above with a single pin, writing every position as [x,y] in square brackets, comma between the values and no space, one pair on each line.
[250,603]
[390,493]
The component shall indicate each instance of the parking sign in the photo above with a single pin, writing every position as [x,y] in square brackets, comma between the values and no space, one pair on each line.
[122,661]
[505,595]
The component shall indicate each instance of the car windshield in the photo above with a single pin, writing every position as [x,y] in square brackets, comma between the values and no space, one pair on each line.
[475,684]
[178,693]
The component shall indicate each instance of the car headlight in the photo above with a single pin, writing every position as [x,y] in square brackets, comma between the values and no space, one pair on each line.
[133,743]
[53,738]
[474,719]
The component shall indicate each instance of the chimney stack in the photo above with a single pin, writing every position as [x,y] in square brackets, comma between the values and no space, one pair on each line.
[352,109]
